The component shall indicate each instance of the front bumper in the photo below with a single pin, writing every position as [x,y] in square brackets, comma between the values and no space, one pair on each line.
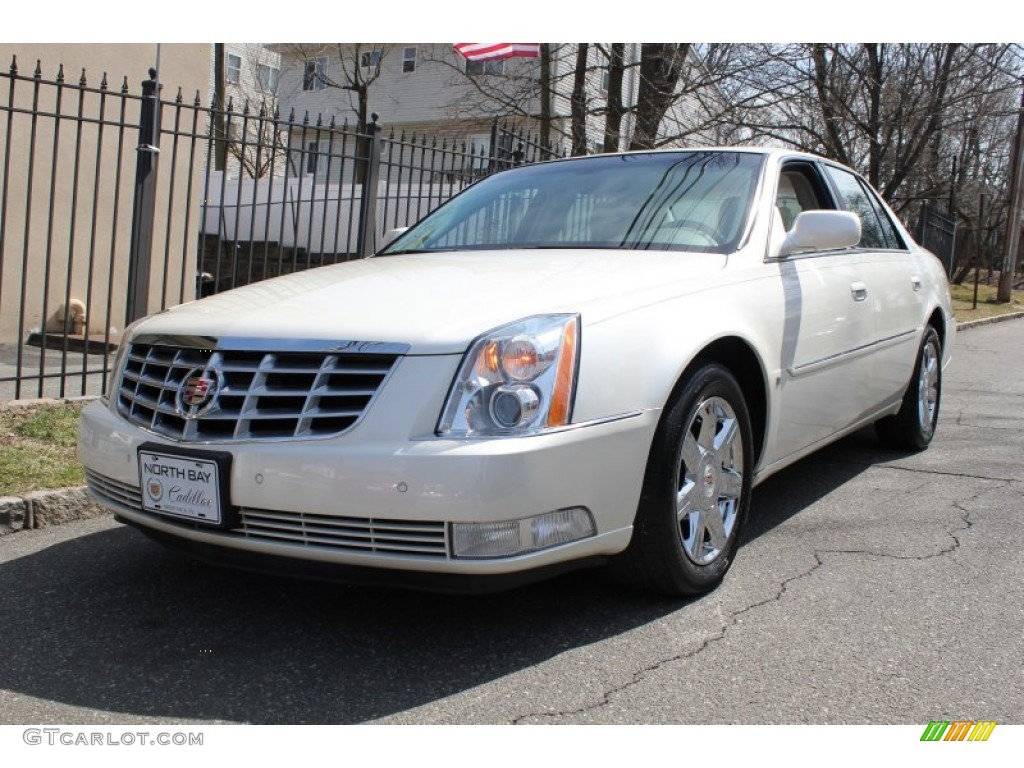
[368,489]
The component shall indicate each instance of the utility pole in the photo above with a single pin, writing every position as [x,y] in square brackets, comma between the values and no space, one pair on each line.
[1013,217]
[220,132]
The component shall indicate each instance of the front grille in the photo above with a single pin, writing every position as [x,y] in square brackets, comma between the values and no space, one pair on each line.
[254,395]
[353,534]
[362,535]
[108,489]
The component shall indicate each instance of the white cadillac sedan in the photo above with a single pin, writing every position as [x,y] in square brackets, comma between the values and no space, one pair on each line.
[577,362]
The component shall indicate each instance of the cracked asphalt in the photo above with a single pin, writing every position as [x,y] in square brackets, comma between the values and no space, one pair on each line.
[872,587]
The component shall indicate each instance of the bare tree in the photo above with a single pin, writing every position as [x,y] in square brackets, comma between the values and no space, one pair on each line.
[578,101]
[351,67]
[661,65]
[615,110]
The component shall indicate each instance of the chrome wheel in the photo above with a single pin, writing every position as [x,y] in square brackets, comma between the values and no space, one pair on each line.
[928,387]
[709,482]
[697,488]
[913,426]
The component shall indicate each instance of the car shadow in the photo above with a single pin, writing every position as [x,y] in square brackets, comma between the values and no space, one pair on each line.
[799,486]
[112,621]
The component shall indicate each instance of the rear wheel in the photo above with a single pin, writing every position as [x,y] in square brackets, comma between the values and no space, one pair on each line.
[913,426]
[696,490]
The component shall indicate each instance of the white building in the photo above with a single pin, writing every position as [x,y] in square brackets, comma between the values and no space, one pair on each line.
[429,89]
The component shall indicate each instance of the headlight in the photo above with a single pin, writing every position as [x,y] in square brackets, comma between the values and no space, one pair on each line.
[516,380]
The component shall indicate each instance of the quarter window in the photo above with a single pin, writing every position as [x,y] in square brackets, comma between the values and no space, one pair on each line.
[800,189]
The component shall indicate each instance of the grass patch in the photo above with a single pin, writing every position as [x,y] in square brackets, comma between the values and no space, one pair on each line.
[963,300]
[38,448]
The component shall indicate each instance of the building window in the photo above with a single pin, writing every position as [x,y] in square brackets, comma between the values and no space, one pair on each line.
[314,160]
[314,77]
[604,82]
[492,67]
[266,78]
[234,68]
[408,59]
[370,59]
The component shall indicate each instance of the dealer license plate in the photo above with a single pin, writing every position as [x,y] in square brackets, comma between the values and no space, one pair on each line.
[183,486]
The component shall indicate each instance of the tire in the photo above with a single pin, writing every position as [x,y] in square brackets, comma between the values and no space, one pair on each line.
[913,426]
[696,490]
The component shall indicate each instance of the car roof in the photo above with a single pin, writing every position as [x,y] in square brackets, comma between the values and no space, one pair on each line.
[773,152]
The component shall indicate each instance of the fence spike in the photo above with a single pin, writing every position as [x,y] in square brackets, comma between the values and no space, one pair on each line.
[38,74]
[60,73]
[319,120]
[291,116]
[263,108]
[199,100]
[81,81]
[103,82]
[178,98]
[124,85]
[14,65]
[305,118]
[332,126]
[231,103]
[245,107]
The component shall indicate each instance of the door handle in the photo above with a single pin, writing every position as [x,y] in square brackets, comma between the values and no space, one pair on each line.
[916,282]
[859,291]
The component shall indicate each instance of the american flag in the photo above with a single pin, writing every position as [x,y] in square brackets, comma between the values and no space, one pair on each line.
[485,51]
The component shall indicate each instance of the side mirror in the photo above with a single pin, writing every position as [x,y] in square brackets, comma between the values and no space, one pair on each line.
[391,235]
[822,231]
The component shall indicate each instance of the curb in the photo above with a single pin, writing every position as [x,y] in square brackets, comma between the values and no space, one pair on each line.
[988,321]
[41,509]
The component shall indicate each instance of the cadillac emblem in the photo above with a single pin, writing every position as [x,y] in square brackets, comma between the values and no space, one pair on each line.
[197,393]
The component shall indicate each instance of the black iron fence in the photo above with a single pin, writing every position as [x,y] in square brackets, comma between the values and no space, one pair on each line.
[936,231]
[115,204]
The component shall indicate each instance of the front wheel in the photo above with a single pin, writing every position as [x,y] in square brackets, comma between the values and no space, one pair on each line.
[913,426]
[696,490]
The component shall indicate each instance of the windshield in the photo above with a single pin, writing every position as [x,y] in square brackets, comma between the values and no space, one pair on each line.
[690,201]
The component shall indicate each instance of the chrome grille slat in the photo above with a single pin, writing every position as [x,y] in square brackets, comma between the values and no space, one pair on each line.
[264,395]
[105,487]
[348,534]
[364,534]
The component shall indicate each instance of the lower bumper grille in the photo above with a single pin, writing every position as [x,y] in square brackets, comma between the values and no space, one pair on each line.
[362,535]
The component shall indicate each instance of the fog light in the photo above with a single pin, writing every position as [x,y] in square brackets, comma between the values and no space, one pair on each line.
[516,537]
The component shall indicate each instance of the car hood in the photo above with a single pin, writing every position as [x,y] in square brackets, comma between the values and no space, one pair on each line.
[437,303]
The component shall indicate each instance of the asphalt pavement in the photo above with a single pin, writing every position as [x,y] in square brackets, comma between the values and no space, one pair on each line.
[872,587]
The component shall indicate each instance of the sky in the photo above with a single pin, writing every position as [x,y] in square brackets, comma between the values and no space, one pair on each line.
[537,20]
